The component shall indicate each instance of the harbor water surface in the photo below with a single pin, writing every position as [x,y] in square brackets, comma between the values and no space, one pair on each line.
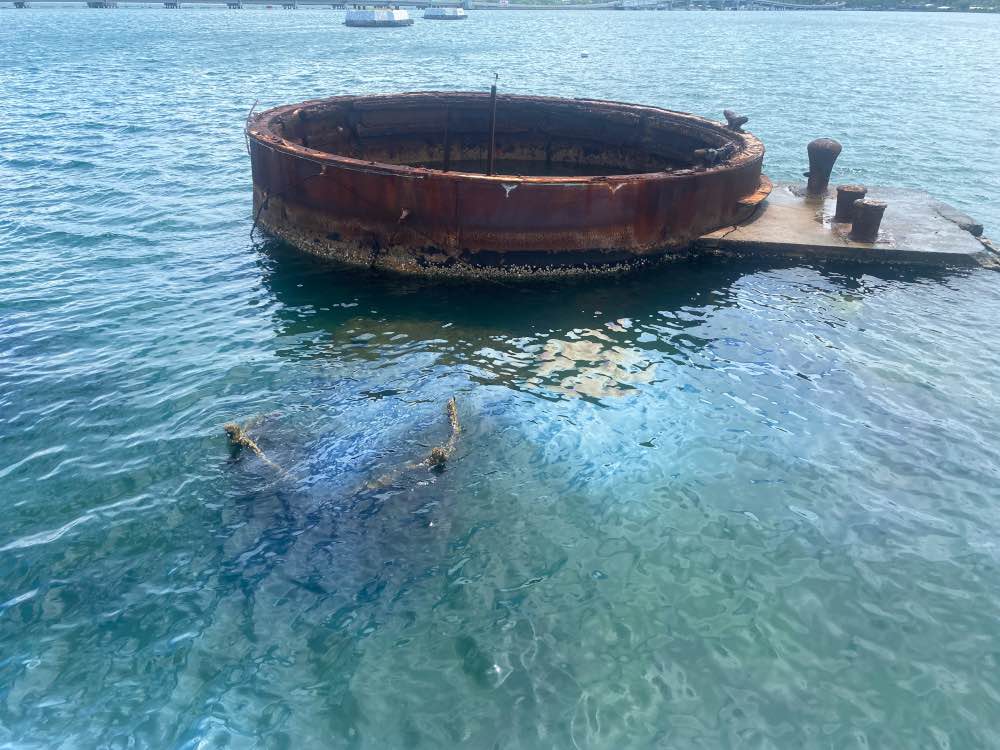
[713,504]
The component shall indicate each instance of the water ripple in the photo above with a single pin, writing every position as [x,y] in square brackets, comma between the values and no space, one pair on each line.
[713,505]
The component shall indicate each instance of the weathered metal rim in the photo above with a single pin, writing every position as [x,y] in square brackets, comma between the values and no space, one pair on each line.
[259,128]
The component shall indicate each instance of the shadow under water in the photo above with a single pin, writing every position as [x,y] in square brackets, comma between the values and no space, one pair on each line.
[591,337]
[387,352]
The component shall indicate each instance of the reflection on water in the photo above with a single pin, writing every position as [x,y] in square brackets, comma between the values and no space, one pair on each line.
[586,337]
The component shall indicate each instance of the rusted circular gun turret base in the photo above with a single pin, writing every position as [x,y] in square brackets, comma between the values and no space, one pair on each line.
[483,265]
[395,182]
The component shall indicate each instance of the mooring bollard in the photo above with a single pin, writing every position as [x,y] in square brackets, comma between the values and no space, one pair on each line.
[846,195]
[867,219]
[823,152]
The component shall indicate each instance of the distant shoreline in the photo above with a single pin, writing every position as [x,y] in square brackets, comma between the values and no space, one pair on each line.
[557,6]
[713,5]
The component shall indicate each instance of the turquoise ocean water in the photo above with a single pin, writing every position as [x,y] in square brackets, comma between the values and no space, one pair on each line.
[715,505]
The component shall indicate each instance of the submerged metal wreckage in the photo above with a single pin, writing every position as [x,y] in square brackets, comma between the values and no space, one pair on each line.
[460,181]
[476,184]
[241,440]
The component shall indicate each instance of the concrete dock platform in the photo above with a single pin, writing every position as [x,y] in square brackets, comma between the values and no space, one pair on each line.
[916,229]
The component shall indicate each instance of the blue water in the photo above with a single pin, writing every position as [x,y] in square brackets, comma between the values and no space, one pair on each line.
[715,505]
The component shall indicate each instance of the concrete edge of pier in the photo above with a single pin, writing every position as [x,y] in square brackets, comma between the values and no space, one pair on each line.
[916,229]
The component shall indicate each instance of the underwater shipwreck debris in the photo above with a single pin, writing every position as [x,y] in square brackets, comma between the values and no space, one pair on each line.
[238,437]
[442,453]
[438,456]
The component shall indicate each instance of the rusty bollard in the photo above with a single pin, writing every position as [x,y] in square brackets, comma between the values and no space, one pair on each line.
[846,195]
[823,152]
[867,219]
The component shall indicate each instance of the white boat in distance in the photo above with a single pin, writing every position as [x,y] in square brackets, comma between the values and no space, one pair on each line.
[445,14]
[377,17]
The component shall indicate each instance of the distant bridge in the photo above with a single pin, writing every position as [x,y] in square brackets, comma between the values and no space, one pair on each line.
[655,5]
[722,4]
[773,4]
[486,5]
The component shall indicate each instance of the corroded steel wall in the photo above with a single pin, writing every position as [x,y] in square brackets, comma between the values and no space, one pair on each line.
[410,218]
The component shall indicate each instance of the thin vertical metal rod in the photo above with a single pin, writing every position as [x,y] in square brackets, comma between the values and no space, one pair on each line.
[493,126]
[447,137]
